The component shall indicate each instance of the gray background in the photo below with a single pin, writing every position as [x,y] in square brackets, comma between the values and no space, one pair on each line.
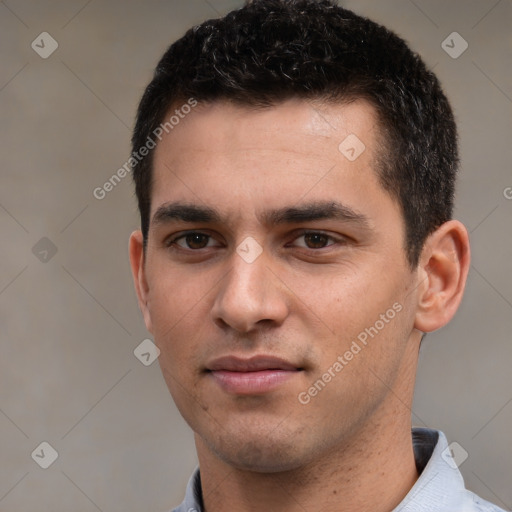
[69,325]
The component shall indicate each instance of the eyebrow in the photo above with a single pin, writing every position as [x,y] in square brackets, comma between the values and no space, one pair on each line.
[320,210]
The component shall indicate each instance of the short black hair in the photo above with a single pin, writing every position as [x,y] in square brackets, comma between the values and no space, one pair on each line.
[270,51]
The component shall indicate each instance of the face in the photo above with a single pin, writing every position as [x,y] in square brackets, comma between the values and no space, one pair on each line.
[275,281]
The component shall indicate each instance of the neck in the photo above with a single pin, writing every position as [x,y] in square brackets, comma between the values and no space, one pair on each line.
[372,471]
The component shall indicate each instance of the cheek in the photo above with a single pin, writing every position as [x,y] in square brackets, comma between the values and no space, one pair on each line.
[181,336]
[344,299]
[178,307]
[365,306]
[175,297]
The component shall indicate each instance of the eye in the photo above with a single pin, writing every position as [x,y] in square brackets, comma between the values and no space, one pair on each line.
[315,240]
[193,240]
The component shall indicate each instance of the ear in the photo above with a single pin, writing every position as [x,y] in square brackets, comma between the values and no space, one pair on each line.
[443,269]
[136,250]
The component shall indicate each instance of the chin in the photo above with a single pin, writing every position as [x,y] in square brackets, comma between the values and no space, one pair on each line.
[261,452]
[260,459]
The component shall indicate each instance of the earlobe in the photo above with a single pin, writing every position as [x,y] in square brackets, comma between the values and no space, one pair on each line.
[443,270]
[136,252]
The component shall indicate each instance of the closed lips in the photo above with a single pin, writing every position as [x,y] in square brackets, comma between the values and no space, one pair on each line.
[253,364]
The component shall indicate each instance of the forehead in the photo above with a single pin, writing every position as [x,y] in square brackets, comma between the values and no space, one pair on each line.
[295,125]
[242,157]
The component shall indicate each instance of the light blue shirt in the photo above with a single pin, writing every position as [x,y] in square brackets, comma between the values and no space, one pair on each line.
[440,487]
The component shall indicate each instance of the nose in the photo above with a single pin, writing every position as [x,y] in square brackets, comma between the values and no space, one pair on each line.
[250,295]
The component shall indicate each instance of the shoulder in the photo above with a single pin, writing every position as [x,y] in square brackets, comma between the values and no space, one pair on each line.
[480,505]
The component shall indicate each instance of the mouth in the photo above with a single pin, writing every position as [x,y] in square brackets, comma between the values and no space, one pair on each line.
[253,376]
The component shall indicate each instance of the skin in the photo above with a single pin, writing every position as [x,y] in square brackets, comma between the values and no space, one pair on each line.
[304,299]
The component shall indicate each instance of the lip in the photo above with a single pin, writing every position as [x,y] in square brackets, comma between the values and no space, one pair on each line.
[256,375]
[252,364]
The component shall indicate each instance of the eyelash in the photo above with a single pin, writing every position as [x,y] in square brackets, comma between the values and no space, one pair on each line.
[171,242]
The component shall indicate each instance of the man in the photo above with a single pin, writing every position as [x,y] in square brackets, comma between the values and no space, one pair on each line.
[294,166]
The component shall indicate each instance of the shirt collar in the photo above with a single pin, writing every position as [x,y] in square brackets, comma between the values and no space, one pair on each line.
[440,486]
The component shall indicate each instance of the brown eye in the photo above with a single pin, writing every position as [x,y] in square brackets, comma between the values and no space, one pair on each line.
[196,240]
[191,241]
[316,240]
